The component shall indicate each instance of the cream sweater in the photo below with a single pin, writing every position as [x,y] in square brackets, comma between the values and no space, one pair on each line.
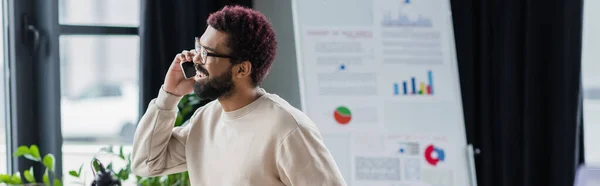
[268,142]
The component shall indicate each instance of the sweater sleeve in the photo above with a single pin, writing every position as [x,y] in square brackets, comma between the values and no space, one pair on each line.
[158,146]
[303,159]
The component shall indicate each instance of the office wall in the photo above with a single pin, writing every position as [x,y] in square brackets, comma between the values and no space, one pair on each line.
[283,78]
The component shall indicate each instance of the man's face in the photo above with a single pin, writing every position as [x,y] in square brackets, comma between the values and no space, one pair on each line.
[216,80]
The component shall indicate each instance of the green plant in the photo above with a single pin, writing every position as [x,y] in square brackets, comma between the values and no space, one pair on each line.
[188,104]
[33,153]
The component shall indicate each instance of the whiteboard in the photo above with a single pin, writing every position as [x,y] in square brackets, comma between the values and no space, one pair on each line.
[380,80]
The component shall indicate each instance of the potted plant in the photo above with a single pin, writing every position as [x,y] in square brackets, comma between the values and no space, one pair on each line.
[28,178]
[188,104]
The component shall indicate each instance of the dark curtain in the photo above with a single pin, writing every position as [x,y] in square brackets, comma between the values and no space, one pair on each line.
[519,64]
[168,27]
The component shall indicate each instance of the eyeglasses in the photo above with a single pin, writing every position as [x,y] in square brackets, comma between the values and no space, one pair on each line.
[204,53]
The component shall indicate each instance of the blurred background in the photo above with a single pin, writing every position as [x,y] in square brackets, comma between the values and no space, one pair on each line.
[79,89]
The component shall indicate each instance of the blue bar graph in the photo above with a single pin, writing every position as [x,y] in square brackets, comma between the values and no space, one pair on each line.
[414,85]
[420,87]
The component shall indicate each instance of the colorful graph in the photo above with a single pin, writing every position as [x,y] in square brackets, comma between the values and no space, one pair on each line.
[414,87]
[342,115]
[429,155]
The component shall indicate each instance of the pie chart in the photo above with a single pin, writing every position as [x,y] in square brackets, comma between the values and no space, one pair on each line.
[342,115]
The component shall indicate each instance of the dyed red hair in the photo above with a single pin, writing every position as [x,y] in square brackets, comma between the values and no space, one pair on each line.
[250,37]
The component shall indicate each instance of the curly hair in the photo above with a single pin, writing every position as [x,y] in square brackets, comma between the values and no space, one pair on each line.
[250,37]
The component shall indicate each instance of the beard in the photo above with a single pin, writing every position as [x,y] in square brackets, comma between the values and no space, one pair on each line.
[216,87]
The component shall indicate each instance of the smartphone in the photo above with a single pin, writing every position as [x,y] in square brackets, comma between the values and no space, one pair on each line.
[189,71]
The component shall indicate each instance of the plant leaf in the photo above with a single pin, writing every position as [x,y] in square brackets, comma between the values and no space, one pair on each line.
[21,151]
[28,174]
[179,120]
[49,162]
[5,178]
[34,152]
[74,174]
[79,172]
[174,179]
[45,178]
[186,178]
[109,166]
[158,180]
[186,110]
[121,155]
[140,179]
[123,174]
[57,183]
[16,178]
[128,166]
[95,164]
[183,101]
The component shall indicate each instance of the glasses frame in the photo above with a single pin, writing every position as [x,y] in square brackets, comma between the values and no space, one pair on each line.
[205,53]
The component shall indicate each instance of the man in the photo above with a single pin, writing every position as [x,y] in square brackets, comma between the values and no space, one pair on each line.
[246,136]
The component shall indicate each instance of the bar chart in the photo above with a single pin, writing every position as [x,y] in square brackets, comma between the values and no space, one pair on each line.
[414,87]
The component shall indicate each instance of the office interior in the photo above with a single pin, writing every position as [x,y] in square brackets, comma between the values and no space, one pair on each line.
[76,75]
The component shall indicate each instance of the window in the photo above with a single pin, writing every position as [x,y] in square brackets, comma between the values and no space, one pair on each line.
[99,12]
[590,65]
[4,135]
[99,56]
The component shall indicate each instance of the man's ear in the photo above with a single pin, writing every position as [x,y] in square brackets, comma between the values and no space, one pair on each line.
[244,69]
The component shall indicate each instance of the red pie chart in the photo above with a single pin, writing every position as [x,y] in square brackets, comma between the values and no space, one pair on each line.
[342,115]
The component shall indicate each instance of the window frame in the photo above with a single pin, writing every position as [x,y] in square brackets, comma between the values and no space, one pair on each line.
[6,85]
[34,83]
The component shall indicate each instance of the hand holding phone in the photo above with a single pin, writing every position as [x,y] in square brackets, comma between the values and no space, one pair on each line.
[179,80]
